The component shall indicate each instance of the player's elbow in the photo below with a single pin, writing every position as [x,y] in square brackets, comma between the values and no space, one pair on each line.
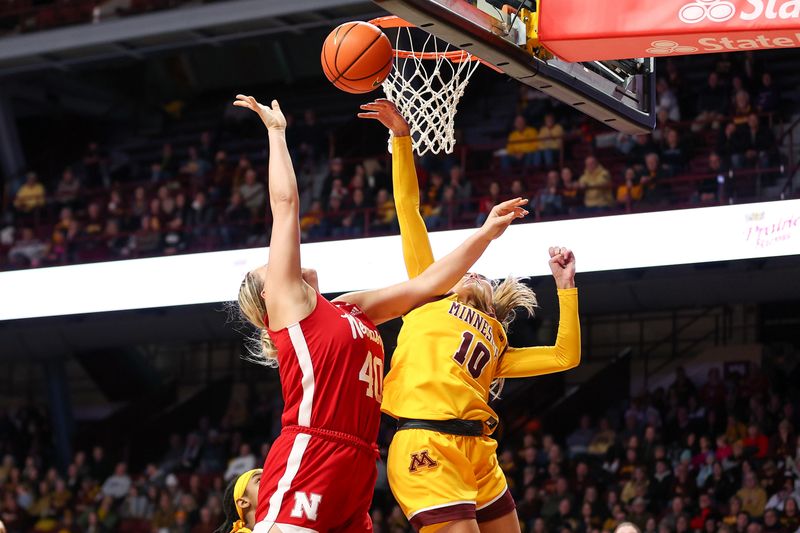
[284,201]
[570,357]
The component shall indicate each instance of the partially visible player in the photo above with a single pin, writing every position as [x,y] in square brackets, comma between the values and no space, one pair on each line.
[442,466]
[239,503]
[320,472]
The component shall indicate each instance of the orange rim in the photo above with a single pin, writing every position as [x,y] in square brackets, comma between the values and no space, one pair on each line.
[454,56]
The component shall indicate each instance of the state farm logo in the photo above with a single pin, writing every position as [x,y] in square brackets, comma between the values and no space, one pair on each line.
[669,47]
[724,10]
[713,10]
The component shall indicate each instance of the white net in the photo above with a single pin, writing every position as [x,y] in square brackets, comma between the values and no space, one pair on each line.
[427,90]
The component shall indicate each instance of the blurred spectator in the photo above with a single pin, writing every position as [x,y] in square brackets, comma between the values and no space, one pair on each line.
[207,149]
[756,443]
[27,251]
[312,138]
[630,191]
[569,191]
[206,522]
[741,108]
[253,194]
[200,218]
[712,104]
[335,172]
[311,221]
[67,190]
[385,213]
[115,206]
[221,174]
[139,204]
[242,463]
[462,189]
[549,201]
[673,154]
[94,223]
[242,168]
[768,98]
[753,144]
[358,213]
[432,196]
[118,484]
[30,196]
[727,142]
[596,184]
[446,212]
[157,174]
[790,519]
[115,243]
[517,189]
[168,166]
[643,145]
[487,202]
[195,167]
[753,497]
[652,180]
[334,216]
[667,101]
[550,140]
[522,146]
[95,173]
[147,240]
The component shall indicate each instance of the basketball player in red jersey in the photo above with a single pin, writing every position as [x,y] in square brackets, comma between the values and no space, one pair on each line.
[320,472]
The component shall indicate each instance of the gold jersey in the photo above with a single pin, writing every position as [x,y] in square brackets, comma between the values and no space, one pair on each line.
[444,364]
[448,353]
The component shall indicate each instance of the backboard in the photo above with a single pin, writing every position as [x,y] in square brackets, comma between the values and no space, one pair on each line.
[620,93]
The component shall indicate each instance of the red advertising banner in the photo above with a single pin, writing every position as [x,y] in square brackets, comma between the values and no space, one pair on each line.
[586,30]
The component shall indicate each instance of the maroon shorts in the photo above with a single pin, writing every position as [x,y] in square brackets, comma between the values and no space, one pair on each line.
[317,480]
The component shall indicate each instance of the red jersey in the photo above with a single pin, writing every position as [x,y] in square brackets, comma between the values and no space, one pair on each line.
[331,370]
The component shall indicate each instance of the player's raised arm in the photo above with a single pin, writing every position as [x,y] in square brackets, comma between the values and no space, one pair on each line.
[288,298]
[385,304]
[566,353]
[417,252]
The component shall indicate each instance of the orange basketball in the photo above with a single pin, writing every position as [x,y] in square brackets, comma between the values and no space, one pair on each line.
[357,57]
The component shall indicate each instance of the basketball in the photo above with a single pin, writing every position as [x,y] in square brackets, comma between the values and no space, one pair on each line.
[357,57]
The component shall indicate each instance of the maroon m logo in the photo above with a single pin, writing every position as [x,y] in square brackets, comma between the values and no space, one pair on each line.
[421,460]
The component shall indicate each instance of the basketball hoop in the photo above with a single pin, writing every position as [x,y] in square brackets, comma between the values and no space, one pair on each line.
[426,85]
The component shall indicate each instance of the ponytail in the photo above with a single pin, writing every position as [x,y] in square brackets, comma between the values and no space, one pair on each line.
[252,309]
[509,295]
[229,509]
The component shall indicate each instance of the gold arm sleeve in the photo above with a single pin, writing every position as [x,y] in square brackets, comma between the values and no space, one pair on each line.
[417,252]
[538,360]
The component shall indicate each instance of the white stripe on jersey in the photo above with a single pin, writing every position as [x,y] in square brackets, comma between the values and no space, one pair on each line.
[292,466]
[304,359]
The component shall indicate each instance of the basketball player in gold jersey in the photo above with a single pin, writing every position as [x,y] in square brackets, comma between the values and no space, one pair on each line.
[451,355]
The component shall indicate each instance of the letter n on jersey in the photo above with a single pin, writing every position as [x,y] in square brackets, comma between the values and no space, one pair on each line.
[420,460]
[305,505]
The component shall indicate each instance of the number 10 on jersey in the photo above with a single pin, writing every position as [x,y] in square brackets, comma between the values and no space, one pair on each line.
[372,374]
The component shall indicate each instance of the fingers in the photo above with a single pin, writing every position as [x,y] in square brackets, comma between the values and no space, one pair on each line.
[276,106]
[368,115]
[515,213]
[243,101]
[510,204]
[560,255]
[380,103]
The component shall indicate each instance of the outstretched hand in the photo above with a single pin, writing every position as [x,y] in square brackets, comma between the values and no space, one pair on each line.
[502,215]
[271,116]
[387,114]
[562,265]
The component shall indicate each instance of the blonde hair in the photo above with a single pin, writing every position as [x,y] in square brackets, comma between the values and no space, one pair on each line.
[507,296]
[252,308]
